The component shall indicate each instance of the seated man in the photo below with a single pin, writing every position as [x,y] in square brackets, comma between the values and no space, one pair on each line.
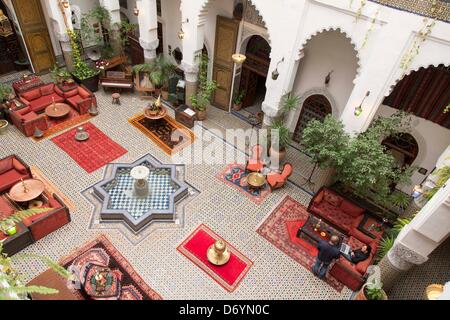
[328,252]
[358,255]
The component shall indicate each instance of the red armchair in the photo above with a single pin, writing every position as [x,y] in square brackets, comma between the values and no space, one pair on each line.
[255,163]
[80,99]
[12,169]
[336,210]
[26,120]
[277,180]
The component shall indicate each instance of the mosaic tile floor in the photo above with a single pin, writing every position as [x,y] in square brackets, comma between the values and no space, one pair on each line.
[274,275]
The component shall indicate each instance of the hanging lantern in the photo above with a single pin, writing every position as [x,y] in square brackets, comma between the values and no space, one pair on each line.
[359,109]
[239,58]
[136,11]
[66,4]
[5,25]
[181,34]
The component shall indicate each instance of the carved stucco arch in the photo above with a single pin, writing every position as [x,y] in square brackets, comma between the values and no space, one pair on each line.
[203,13]
[339,29]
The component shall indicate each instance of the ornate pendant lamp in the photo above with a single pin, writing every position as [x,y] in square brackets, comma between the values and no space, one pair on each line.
[238,57]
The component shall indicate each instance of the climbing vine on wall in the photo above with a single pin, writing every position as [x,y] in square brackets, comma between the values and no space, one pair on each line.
[419,39]
[362,4]
[370,29]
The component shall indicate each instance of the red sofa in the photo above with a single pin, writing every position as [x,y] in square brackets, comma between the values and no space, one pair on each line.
[26,120]
[346,216]
[80,98]
[336,210]
[12,169]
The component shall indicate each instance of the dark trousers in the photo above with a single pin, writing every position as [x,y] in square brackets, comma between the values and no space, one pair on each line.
[320,269]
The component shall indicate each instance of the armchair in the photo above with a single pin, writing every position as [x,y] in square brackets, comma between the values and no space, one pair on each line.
[255,163]
[80,99]
[26,120]
[12,170]
[277,180]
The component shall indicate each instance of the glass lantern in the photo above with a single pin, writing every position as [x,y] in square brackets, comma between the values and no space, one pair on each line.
[5,25]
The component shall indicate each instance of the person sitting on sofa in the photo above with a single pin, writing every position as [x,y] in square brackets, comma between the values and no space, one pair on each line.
[328,252]
[358,255]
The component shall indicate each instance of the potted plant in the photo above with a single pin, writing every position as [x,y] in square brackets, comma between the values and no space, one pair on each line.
[372,291]
[206,88]
[237,101]
[60,75]
[154,108]
[281,142]
[8,225]
[3,125]
[82,73]
[5,92]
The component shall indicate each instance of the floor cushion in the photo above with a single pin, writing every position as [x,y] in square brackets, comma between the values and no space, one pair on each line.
[32,94]
[332,198]
[351,209]
[47,89]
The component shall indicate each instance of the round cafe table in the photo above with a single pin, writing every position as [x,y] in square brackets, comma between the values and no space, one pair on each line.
[26,190]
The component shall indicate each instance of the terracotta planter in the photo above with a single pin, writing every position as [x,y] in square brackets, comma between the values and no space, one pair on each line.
[90,83]
[237,107]
[362,296]
[3,125]
[201,115]
[278,154]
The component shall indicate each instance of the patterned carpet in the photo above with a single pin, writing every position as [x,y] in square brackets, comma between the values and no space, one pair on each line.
[274,274]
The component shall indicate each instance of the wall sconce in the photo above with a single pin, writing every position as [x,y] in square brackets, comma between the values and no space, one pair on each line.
[359,109]
[65,4]
[136,11]
[275,73]
[328,78]
[181,33]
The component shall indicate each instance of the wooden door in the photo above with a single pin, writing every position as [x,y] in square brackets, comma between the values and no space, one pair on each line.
[225,45]
[249,85]
[35,33]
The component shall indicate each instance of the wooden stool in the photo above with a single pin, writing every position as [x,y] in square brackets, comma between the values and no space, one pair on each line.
[116,98]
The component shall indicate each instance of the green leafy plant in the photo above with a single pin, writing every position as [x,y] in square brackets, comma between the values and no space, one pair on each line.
[159,71]
[374,290]
[289,102]
[400,223]
[239,97]
[386,243]
[206,87]
[18,216]
[81,70]
[59,74]
[443,174]
[12,285]
[283,135]
[5,91]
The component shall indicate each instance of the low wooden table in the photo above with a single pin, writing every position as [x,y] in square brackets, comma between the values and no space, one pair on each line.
[58,110]
[256,180]
[324,232]
[26,190]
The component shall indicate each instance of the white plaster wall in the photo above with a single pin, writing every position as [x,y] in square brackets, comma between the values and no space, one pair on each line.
[327,51]
[171,20]
[131,4]
[85,5]
[432,139]
[54,40]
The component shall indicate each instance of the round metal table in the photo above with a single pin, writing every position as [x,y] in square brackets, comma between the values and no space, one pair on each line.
[26,190]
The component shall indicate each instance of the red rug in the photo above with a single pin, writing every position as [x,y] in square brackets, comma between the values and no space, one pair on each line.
[102,252]
[93,153]
[229,275]
[280,228]
[235,176]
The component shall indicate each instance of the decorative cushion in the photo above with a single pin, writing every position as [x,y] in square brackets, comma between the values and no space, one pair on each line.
[332,198]
[351,209]
[83,93]
[19,166]
[32,94]
[58,91]
[70,93]
[28,116]
[319,197]
[47,89]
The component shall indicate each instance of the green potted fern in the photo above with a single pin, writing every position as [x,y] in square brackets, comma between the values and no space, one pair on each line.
[206,88]
[238,99]
[372,291]
[8,224]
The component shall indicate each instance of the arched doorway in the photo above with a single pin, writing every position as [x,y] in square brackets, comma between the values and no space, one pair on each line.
[254,73]
[403,147]
[316,107]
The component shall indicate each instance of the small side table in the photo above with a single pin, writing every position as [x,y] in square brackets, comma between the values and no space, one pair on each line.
[185,116]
